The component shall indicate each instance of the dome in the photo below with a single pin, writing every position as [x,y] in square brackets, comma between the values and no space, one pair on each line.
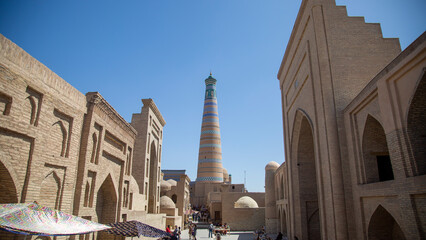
[166,202]
[172,182]
[165,186]
[246,202]
[272,166]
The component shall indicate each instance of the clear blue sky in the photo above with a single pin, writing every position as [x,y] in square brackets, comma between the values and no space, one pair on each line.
[164,49]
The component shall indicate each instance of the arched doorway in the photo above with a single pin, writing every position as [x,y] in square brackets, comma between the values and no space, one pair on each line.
[7,195]
[377,162]
[152,179]
[106,205]
[284,223]
[303,155]
[7,186]
[279,220]
[383,226]
[416,128]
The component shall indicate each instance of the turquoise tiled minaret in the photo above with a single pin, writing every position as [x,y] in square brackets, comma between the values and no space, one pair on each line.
[210,154]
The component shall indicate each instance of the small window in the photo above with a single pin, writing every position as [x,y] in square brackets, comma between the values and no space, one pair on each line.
[384,166]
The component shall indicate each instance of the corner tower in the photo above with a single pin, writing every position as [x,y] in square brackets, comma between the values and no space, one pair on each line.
[210,154]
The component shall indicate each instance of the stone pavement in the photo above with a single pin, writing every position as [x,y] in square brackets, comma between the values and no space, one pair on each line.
[203,234]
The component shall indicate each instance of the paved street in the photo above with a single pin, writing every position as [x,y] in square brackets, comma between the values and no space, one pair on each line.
[203,234]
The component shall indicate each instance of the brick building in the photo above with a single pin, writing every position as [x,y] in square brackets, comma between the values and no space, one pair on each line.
[74,152]
[354,126]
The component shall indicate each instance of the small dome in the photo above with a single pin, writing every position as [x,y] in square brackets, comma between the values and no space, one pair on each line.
[172,182]
[246,202]
[166,202]
[272,166]
[165,186]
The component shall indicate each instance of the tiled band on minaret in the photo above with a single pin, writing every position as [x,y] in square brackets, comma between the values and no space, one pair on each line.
[210,155]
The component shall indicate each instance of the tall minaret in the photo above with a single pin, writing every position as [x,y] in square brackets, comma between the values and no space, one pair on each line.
[210,155]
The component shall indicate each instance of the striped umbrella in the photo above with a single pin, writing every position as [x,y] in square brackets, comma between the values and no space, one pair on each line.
[33,219]
[136,229]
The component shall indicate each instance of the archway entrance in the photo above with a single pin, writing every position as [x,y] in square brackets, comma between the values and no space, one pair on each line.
[106,205]
[7,186]
[7,195]
[304,165]
[383,226]
[284,223]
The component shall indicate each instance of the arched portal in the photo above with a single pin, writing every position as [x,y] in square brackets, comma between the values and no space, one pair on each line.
[106,205]
[279,220]
[152,179]
[377,162]
[284,223]
[7,186]
[304,164]
[383,226]
[8,194]
[416,128]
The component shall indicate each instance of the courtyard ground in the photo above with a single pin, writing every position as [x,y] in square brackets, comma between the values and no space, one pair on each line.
[203,234]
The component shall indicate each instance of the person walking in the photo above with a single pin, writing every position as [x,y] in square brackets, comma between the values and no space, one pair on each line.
[190,230]
[194,231]
[211,230]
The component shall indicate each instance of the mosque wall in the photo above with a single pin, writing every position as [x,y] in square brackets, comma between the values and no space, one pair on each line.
[249,217]
[350,156]
[70,151]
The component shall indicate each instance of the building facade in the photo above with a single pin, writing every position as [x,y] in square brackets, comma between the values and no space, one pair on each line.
[74,152]
[353,123]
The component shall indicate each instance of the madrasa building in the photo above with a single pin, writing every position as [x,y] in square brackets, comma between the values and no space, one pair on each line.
[213,188]
[73,152]
[354,119]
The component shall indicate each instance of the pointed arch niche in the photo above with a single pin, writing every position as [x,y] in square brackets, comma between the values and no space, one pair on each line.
[50,191]
[376,159]
[106,205]
[303,155]
[416,127]
[383,226]
[7,186]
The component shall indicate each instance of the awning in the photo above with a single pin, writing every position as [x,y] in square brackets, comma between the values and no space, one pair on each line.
[33,219]
[135,229]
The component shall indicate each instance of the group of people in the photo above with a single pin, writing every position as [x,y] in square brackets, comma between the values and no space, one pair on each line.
[218,230]
[175,235]
[192,230]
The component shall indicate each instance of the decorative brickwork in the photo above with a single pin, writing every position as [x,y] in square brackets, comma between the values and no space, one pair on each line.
[355,172]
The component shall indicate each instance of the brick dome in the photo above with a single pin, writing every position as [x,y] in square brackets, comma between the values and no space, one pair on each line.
[246,202]
[272,166]
[166,202]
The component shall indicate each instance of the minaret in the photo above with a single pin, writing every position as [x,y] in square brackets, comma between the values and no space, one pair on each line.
[210,155]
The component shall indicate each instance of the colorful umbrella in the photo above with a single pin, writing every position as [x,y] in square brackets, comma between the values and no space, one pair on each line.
[136,229]
[33,219]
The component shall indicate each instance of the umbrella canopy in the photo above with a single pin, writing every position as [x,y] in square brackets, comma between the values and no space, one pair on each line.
[31,218]
[136,229]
